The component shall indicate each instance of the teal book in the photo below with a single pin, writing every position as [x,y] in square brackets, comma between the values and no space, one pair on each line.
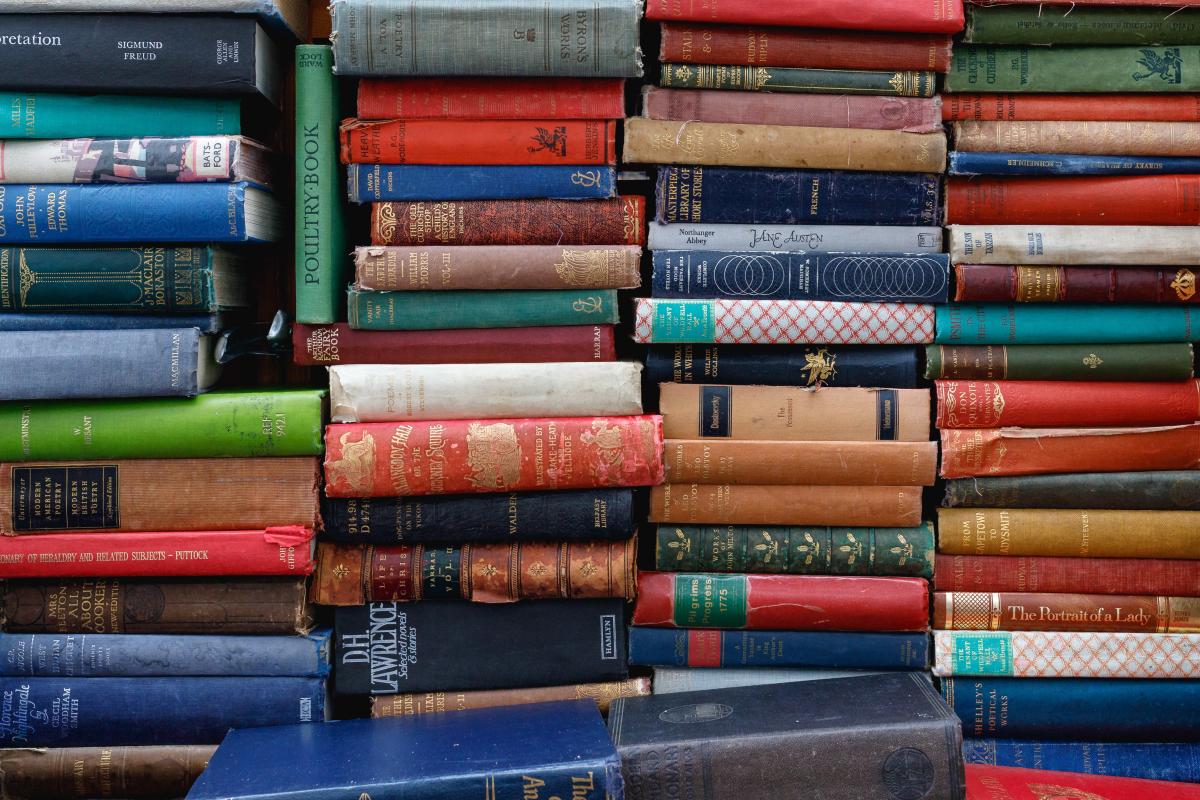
[1059,324]
[42,115]
[413,311]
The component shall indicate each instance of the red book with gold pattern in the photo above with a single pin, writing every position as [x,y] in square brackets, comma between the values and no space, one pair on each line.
[986,782]
[484,142]
[1053,404]
[510,222]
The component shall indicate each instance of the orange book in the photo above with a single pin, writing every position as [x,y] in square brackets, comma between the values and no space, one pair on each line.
[851,506]
[790,463]
[1083,107]
[1059,200]
[478,142]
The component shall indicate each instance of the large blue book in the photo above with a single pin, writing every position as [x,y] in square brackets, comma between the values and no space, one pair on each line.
[1178,761]
[1055,323]
[537,751]
[775,365]
[964,163]
[119,655]
[367,183]
[668,647]
[93,712]
[206,323]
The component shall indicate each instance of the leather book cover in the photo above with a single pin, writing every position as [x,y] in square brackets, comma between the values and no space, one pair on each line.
[1096,107]
[1143,576]
[1043,611]
[730,504]
[1074,200]
[61,773]
[394,269]
[491,98]
[1016,783]
[804,462]
[1166,490]
[446,141]
[991,283]
[1063,404]
[412,704]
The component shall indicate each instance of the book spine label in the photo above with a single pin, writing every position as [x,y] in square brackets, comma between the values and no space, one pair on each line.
[1002,284]
[697,647]
[1144,139]
[516,516]
[1065,575]
[793,79]
[795,550]
[166,771]
[371,182]
[1070,107]
[1043,404]
[963,163]
[63,116]
[929,16]
[895,367]
[411,704]
[389,311]
[525,267]
[797,238]
[1028,611]
[521,142]
[1036,654]
[844,463]
[1082,362]
[350,575]
[728,504]
[1037,324]
[1016,25]
[389,460]
[1072,69]
[1059,245]
[780,602]
[511,222]
[1132,490]
[491,98]
[146,160]
[1060,200]
[1157,761]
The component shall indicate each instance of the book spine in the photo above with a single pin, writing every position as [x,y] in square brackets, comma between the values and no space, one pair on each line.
[886,15]
[1144,139]
[1020,784]
[650,141]
[726,504]
[85,364]
[1065,575]
[965,163]
[316,345]
[1163,762]
[781,322]
[61,772]
[1064,245]
[350,575]
[1003,284]
[649,647]
[1072,324]
[688,43]
[511,222]
[412,704]
[1071,107]
[142,711]
[794,79]
[408,311]
[1082,362]
[791,366]
[524,267]
[1132,490]
[131,160]
[796,551]
[1091,26]
[517,516]
[517,142]
[1136,200]
[491,98]
[780,602]
[796,197]
[673,680]
[69,321]
[1031,654]
[371,182]
[389,460]
[1070,69]
[63,116]
[1030,611]
[797,238]
[843,463]
[1040,404]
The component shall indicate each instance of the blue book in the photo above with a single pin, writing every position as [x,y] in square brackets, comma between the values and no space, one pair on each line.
[93,712]
[1032,323]
[370,182]
[668,647]
[119,655]
[796,196]
[962,163]
[868,277]
[1153,761]
[1076,709]
[540,750]
[205,323]
[775,365]
[161,213]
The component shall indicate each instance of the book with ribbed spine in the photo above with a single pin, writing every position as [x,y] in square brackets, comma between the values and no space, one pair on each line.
[791,463]
[1002,283]
[1044,611]
[368,183]
[621,220]
[1166,490]
[904,83]
[58,773]
[1170,361]
[37,115]
[1154,761]
[710,649]
[1166,577]
[1074,654]
[1042,404]
[740,504]
[811,365]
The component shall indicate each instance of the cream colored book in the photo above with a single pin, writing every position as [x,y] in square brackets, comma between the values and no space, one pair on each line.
[1075,244]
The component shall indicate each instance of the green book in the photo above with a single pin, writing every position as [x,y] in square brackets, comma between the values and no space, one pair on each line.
[1063,362]
[1074,24]
[980,68]
[415,311]
[789,79]
[321,252]
[72,116]
[216,425]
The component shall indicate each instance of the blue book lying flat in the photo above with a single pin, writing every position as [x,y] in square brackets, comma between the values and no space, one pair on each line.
[367,183]
[666,647]
[1153,761]
[963,163]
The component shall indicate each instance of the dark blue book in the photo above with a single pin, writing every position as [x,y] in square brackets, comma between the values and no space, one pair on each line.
[780,365]
[538,751]
[1153,761]
[963,163]
[797,196]
[368,183]
[867,277]
[667,647]
[119,655]
[516,516]
[93,712]
[206,323]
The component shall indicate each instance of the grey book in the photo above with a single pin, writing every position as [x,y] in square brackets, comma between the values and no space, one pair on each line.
[672,680]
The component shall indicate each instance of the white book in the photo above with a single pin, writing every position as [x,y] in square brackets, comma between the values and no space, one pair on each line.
[1075,244]
[796,238]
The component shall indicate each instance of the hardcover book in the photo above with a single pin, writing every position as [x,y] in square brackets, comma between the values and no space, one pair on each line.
[621,220]
[544,267]
[1061,245]
[481,142]
[413,704]
[476,97]
[59,773]
[1169,361]
[1042,611]
[797,238]
[1060,403]
[1034,784]
[287,16]
[1166,490]
[1069,68]
[1105,138]
[372,182]
[673,680]
[1091,25]
[50,115]
[1043,284]
[1028,323]
[967,163]
[742,504]
[51,321]
[1126,576]
[907,83]
[1155,761]
[709,649]
[1070,107]
[1063,654]
[1074,200]
[927,16]
[765,365]
[797,463]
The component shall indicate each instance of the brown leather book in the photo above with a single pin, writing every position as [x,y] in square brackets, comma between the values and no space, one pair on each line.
[884,506]
[134,773]
[792,463]
[412,704]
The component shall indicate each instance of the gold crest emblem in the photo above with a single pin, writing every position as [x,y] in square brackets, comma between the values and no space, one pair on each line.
[683,73]
[1091,361]
[768,548]
[820,366]
[681,544]
[853,548]
[904,550]
[494,455]
[997,402]
[811,549]
[1184,284]
[582,267]
[356,468]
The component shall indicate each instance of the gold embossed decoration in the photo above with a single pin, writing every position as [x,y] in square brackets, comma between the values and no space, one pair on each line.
[820,366]
[355,470]
[1184,284]
[583,267]
[681,544]
[387,221]
[1049,791]
[1091,361]
[494,455]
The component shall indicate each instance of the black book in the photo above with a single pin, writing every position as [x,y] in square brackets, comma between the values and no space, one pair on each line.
[877,737]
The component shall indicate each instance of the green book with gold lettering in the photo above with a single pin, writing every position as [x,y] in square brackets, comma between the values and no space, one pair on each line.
[902,83]
[982,68]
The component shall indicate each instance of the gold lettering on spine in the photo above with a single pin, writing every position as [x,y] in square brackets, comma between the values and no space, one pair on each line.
[397,459]
[1039,284]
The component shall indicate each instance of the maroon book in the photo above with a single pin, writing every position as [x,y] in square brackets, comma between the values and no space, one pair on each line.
[1153,576]
[1044,284]
[621,220]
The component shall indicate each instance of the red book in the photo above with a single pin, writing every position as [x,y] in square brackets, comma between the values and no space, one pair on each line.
[1079,107]
[781,602]
[284,550]
[518,142]
[918,16]
[986,782]
[799,47]
[1004,283]
[1053,404]
[318,345]
[1169,3]
[491,98]
[495,455]
[1050,574]
[475,222]
[1058,200]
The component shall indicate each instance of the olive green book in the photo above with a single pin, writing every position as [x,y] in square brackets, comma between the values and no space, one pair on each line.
[1078,24]
[1171,361]
[901,83]
[1068,69]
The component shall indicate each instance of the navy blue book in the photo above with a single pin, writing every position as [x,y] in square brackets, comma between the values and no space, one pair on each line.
[797,196]
[205,323]
[867,277]
[370,182]
[160,212]
[516,516]
[119,655]
[93,712]
[963,163]
[1076,709]
[537,751]
[1153,761]
[775,365]
[670,647]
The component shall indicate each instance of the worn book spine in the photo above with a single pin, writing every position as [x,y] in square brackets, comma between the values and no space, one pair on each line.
[1178,762]
[317,345]
[511,222]
[350,575]
[1063,324]
[1074,200]
[796,197]
[1132,490]
[1024,784]
[1037,284]
[787,413]
[781,602]
[64,773]
[1069,362]
[1025,68]
[390,460]
[727,504]
[796,551]
[831,239]
[549,141]
[72,321]
[368,183]
[1164,577]
[165,605]
[522,267]
[928,16]
[63,116]
[1032,611]
[1065,245]
[765,365]
[689,43]
[711,649]
[846,463]
[650,141]
[412,704]
[911,114]
[1044,404]
[905,83]
[491,98]
[968,163]
[1038,654]
[1129,138]
[192,159]
[516,516]
[215,425]
[1096,107]
[409,311]
[1017,25]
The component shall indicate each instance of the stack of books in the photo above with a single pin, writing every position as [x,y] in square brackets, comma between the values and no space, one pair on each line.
[1068,573]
